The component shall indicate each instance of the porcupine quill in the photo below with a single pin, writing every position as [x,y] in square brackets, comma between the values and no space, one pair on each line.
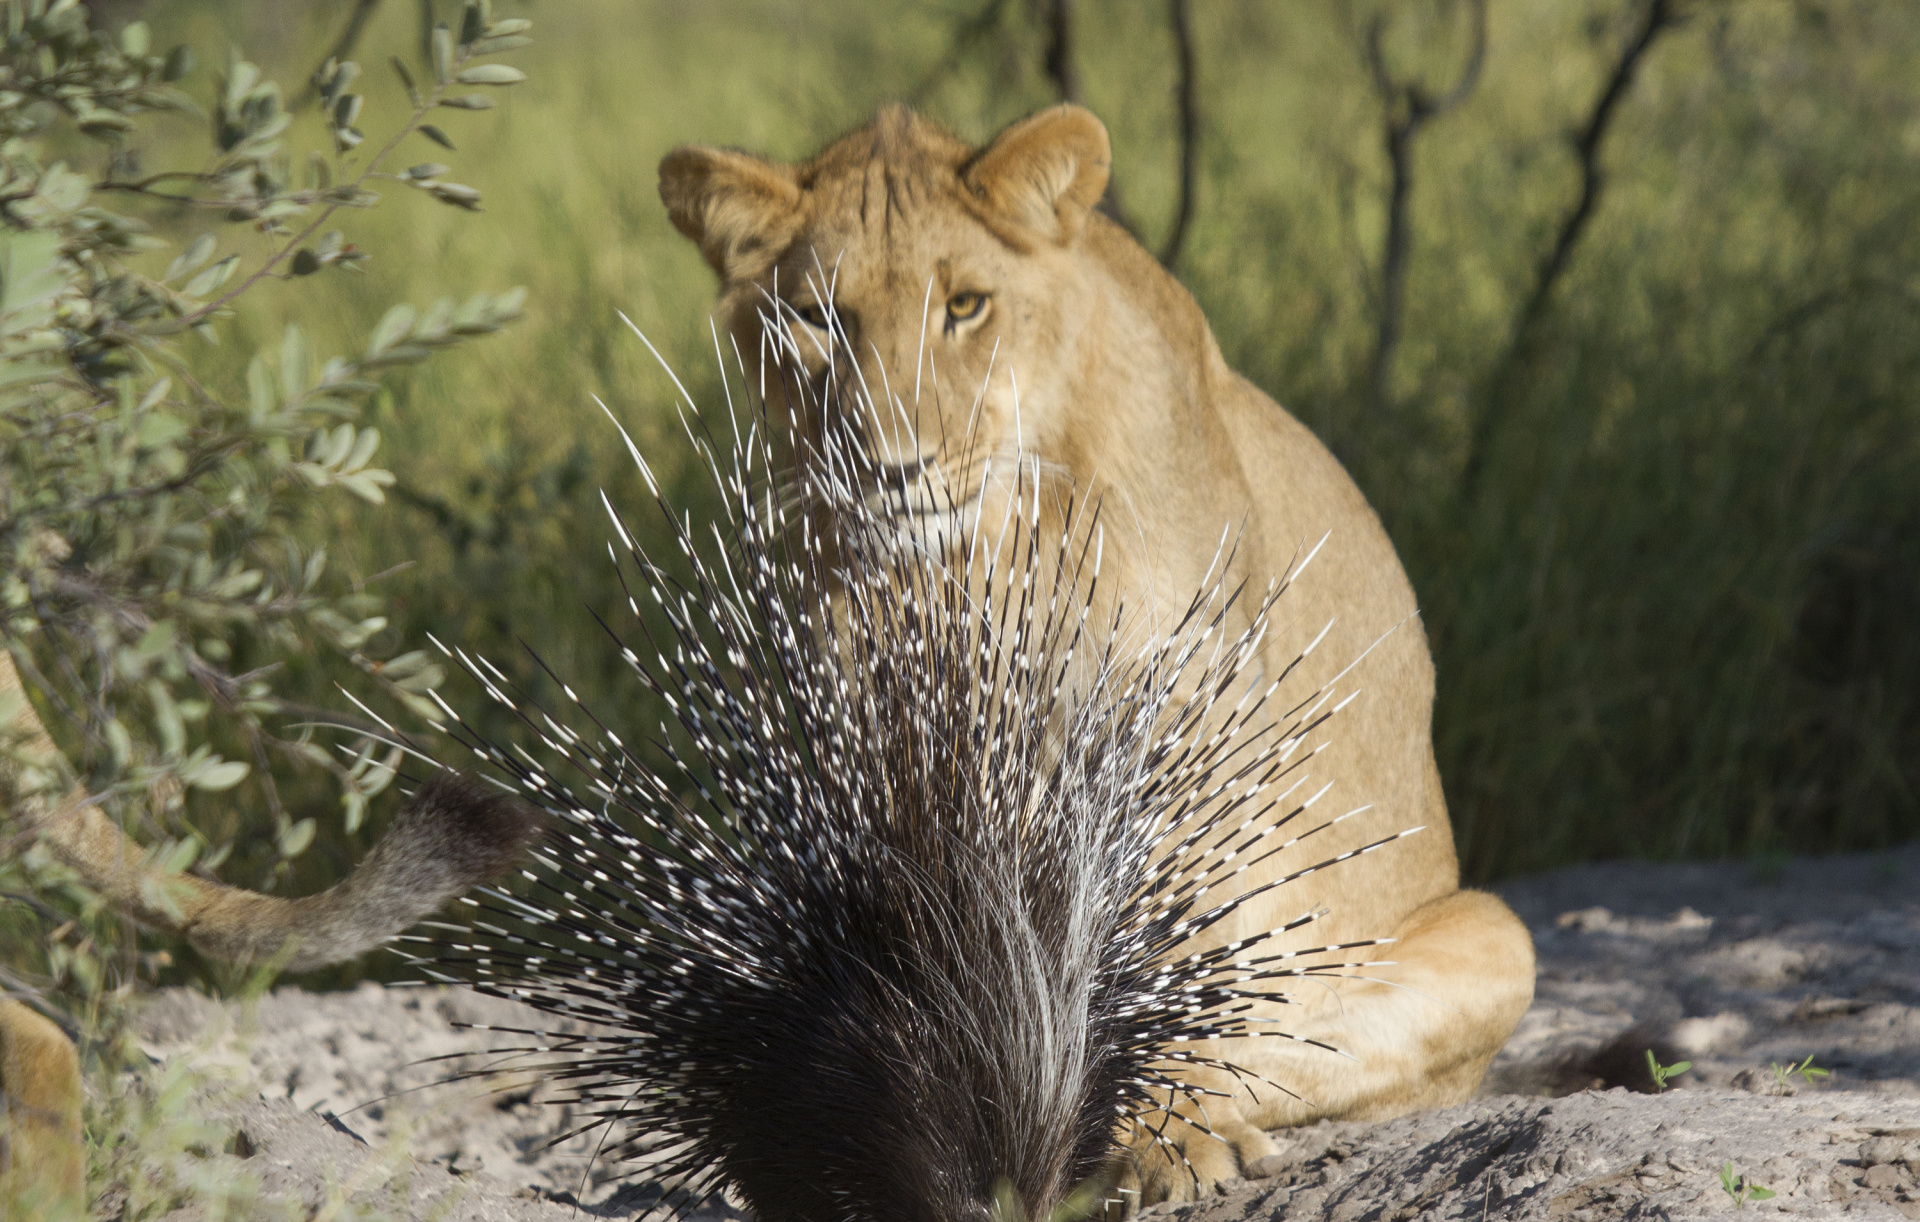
[899,929]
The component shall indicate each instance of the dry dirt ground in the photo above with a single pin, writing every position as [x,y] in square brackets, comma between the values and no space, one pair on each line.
[1736,968]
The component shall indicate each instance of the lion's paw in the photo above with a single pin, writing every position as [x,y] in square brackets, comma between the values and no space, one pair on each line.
[1199,1152]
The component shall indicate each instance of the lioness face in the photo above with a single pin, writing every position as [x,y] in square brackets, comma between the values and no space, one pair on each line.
[924,289]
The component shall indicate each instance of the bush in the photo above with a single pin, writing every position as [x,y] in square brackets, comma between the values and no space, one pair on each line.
[151,498]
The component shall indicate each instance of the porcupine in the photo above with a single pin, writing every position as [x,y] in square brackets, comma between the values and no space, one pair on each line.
[898,928]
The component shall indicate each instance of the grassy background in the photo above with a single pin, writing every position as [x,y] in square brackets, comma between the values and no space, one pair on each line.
[1676,613]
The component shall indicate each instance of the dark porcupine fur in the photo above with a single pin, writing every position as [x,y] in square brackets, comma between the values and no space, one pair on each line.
[894,934]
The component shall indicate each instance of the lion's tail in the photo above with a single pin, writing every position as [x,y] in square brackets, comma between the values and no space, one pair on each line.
[454,835]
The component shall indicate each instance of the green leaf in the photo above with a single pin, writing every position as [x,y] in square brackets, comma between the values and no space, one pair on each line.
[436,135]
[473,23]
[458,194]
[158,430]
[295,839]
[368,485]
[296,365]
[512,25]
[241,78]
[159,638]
[209,281]
[409,663]
[399,354]
[363,447]
[178,857]
[406,77]
[217,774]
[119,742]
[442,53]
[167,719]
[491,74]
[261,399]
[135,39]
[494,46]
[394,326]
[343,78]
[467,101]
[192,257]
[105,123]
[1757,1193]
[331,446]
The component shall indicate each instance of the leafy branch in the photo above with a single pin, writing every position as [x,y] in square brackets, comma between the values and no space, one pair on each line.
[452,66]
[151,577]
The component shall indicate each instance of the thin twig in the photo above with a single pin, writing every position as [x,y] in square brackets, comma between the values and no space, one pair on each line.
[1660,17]
[1408,108]
[1187,100]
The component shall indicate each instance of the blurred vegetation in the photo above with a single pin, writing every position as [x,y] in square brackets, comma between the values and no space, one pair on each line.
[1659,492]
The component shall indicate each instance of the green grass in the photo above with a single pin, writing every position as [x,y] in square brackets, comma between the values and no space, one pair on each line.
[1674,618]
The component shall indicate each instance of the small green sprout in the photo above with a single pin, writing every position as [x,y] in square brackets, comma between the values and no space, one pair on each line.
[1740,1189]
[1807,1070]
[1660,1073]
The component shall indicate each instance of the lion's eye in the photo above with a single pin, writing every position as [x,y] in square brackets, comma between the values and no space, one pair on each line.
[962,307]
[814,315]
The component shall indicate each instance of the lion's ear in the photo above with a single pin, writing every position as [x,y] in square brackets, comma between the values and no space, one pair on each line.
[741,210]
[1046,172]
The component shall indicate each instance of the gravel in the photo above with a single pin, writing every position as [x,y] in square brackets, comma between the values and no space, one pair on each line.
[1743,970]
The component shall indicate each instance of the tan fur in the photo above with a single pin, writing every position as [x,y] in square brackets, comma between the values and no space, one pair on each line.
[1098,362]
[427,857]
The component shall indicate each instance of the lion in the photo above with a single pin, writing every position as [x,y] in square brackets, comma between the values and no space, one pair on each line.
[452,836]
[995,317]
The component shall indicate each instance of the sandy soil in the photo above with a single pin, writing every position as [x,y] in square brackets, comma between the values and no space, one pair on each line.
[1735,969]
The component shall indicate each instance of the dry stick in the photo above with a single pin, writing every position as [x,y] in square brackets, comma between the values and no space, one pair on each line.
[1408,108]
[1187,98]
[1660,17]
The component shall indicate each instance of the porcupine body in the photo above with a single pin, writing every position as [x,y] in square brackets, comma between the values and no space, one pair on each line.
[897,929]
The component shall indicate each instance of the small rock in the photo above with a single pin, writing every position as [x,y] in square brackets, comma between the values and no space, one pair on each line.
[1883,1175]
[1882,1150]
[1266,1167]
[1585,920]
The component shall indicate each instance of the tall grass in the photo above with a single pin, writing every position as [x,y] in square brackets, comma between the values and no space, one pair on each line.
[1676,614]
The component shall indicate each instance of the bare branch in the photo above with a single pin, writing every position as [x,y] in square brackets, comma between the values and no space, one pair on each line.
[1660,16]
[1409,107]
[1187,97]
